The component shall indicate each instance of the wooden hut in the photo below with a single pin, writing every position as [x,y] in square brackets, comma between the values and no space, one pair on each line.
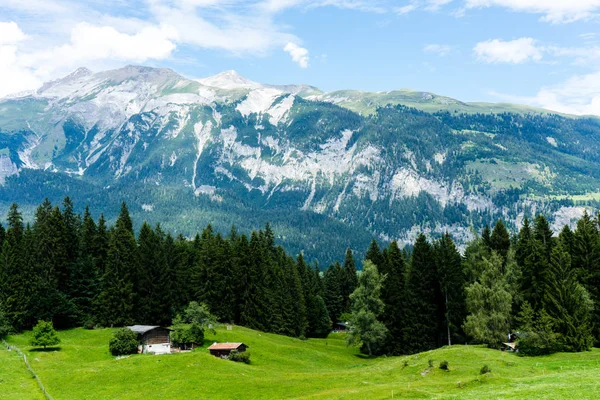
[223,349]
[153,339]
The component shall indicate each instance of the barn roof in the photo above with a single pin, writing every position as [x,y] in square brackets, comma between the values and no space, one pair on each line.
[142,329]
[225,346]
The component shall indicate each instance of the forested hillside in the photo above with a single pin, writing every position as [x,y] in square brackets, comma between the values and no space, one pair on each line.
[78,271]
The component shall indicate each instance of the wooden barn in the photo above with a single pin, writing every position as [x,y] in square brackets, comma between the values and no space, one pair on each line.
[223,349]
[153,339]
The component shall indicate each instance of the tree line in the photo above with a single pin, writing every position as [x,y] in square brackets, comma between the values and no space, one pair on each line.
[76,271]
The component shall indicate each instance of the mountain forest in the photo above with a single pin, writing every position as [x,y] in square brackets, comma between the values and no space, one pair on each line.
[75,270]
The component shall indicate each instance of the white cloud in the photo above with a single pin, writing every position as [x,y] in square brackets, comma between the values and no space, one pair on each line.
[441,50]
[578,95]
[10,33]
[427,5]
[555,11]
[513,52]
[299,54]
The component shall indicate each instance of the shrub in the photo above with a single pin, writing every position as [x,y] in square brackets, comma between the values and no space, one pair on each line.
[430,363]
[44,335]
[239,357]
[187,334]
[444,365]
[124,341]
[89,324]
[485,369]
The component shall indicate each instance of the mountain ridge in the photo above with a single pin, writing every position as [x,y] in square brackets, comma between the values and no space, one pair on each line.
[174,146]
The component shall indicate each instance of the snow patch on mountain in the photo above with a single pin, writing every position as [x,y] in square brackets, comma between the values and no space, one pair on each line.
[258,101]
[229,80]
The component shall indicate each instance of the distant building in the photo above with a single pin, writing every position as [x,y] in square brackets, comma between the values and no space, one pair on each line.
[223,349]
[340,327]
[153,339]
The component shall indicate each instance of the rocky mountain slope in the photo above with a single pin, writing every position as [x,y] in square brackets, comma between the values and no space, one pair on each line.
[330,170]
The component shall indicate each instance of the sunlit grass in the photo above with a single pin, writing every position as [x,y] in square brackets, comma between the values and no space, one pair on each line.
[285,367]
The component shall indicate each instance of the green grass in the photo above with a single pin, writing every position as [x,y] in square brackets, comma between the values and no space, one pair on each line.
[289,368]
[16,382]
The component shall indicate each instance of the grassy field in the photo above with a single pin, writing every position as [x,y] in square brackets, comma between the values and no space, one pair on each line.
[15,380]
[289,368]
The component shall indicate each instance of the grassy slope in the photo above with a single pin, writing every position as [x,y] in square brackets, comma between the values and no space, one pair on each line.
[315,369]
[15,380]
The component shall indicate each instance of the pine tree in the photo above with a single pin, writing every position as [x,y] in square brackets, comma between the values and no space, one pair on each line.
[543,234]
[393,294]
[500,239]
[568,304]
[486,236]
[367,306]
[334,299]
[452,308]
[421,326]
[374,254]
[523,243]
[489,304]
[117,298]
[349,281]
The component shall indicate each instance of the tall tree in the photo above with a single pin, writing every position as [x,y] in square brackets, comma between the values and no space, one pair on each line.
[350,279]
[421,323]
[393,294]
[365,327]
[500,239]
[489,304]
[568,304]
[452,308]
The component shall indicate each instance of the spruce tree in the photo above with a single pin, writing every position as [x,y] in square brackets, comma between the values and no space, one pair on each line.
[393,294]
[116,302]
[333,279]
[568,304]
[421,323]
[349,281]
[500,239]
[374,254]
[452,308]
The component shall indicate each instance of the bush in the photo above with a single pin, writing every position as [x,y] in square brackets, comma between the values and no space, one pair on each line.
[44,335]
[444,365]
[430,363]
[89,324]
[485,369]
[187,334]
[239,357]
[124,341]
[537,343]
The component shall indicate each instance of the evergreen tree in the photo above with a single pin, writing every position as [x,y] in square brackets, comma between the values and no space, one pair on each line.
[523,242]
[568,304]
[116,302]
[489,304]
[374,254]
[334,299]
[452,308]
[365,328]
[393,294]
[421,322]
[486,236]
[500,239]
[349,281]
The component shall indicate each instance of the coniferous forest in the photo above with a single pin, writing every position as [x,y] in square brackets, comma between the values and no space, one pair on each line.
[74,270]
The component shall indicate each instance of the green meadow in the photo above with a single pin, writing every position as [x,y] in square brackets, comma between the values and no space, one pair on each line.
[288,368]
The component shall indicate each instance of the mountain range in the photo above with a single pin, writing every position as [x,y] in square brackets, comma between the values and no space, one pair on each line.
[328,170]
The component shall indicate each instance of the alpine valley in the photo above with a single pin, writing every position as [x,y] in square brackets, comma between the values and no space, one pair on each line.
[327,170]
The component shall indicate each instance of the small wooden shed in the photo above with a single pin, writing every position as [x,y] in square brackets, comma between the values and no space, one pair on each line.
[153,339]
[223,349]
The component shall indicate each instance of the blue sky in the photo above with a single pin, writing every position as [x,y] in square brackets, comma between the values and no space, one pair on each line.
[540,52]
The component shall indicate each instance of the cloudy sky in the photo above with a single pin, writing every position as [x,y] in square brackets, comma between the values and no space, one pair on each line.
[540,52]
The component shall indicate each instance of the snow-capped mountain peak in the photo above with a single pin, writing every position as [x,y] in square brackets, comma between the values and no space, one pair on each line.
[230,80]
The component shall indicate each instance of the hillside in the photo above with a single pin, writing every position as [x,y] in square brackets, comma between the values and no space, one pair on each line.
[328,170]
[284,367]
